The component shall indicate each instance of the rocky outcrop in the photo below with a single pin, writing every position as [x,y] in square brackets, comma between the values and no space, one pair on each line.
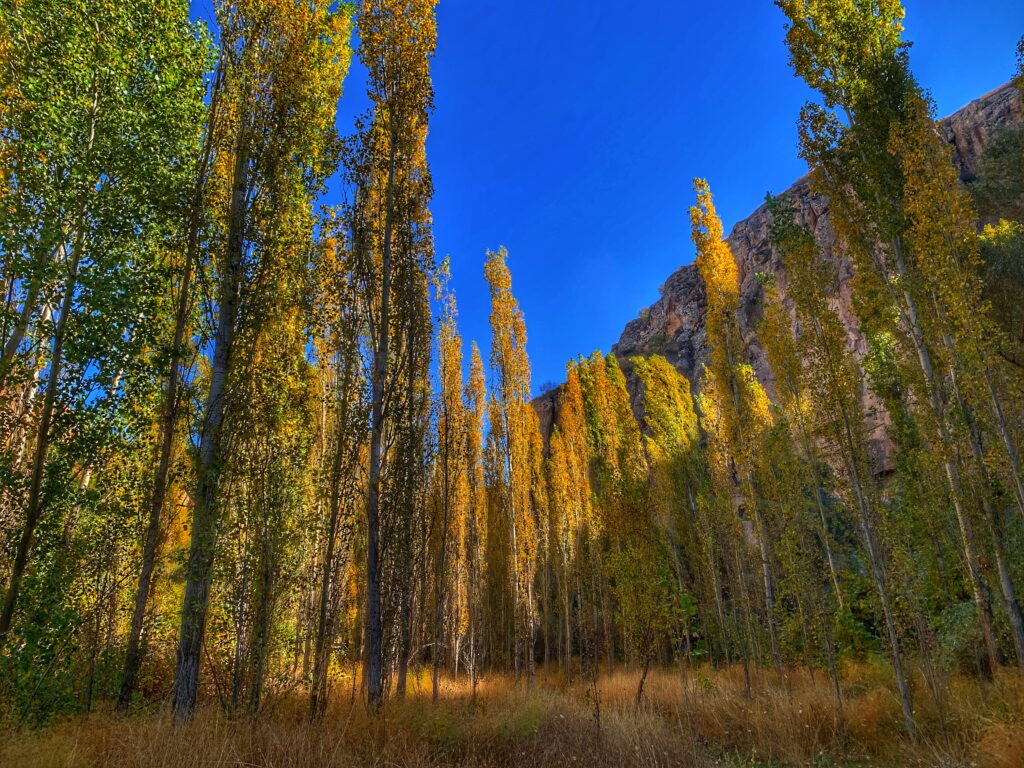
[674,326]
[970,129]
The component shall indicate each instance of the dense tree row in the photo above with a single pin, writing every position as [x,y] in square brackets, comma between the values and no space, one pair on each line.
[245,451]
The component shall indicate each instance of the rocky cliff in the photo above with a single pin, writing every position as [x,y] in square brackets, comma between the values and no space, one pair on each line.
[674,326]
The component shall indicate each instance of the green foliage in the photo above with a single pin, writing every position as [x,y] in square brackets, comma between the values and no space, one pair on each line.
[959,638]
[1002,254]
[649,601]
[999,189]
[99,143]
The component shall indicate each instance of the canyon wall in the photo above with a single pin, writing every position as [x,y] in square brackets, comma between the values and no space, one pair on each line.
[674,326]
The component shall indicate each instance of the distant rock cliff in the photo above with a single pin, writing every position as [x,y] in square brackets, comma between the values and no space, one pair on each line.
[674,326]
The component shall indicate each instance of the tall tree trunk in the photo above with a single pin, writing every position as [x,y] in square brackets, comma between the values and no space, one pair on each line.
[812,459]
[979,590]
[833,672]
[877,568]
[328,584]
[516,608]
[35,498]
[259,645]
[34,507]
[545,603]
[761,531]
[473,588]
[995,528]
[1008,443]
[845,436]
[440,576]
[1009,595]
[205,516]
[769,589]
[170,414]
[408,618]
[50,244]
[567,609]
[20,328]
[374,623]
[643,679]
[531,636]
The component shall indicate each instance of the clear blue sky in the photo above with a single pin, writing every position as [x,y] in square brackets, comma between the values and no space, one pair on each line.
[569,131]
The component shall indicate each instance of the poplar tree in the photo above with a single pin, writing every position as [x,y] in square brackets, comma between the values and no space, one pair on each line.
[512,435]
[835,383]
[743,413]
[392,258]
[99,138]
[855,57]
[672,444]
[337,330]
[276,148]
[450,479]
[475,405]
[618,477]
[943,245]
[795,399]
[171,408]
[573,529]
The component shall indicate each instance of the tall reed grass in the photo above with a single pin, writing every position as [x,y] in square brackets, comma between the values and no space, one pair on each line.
[700,718]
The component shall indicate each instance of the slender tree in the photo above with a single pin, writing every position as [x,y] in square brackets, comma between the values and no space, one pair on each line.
[345,411]
[390,241]
[98,153]
[743,412]
[269,152]
[450,477]
[855,57]
[475,405]
[836,385]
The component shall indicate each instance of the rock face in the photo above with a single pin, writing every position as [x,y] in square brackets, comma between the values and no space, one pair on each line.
[674,326]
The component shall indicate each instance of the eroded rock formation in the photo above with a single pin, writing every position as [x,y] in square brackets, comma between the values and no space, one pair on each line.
[674,326]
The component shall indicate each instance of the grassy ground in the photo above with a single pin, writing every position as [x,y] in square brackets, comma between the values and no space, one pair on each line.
[707,722]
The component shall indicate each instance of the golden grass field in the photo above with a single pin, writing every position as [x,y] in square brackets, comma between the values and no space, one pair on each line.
[705,722]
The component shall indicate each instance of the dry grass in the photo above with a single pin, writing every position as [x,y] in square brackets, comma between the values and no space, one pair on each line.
[705,721]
